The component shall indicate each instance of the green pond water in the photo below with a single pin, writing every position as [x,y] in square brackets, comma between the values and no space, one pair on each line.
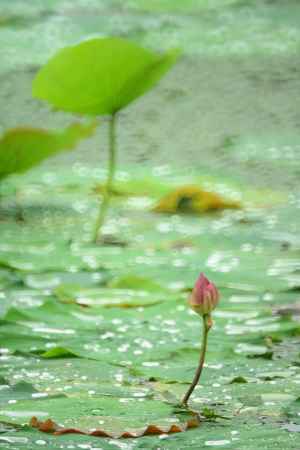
[100,336]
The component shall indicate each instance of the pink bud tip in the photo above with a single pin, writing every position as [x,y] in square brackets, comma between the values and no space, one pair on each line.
[205,296]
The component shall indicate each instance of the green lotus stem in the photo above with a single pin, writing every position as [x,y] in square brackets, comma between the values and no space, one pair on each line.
[19,208]
[207,324]
[103,209]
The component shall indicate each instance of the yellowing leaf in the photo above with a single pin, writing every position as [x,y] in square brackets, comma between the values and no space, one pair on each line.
[192,199]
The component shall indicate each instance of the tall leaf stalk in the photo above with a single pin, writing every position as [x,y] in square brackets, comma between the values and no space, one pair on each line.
[107,193]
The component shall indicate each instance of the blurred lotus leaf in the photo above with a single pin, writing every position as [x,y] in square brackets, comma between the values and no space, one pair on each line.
[100,76]
[193,200]
[23,148]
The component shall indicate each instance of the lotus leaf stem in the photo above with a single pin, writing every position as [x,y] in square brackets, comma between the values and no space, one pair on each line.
[104,206]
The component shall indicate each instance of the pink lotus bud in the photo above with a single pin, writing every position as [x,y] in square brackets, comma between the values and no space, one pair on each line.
[205,296]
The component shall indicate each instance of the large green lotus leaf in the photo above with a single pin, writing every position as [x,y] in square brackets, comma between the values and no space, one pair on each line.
[44,259]
[86,414]
[72,372]
[54,279]
[23,148]
[126,298]
[100,76]
[133,282]
[12,393]
[53,314]
[236,434]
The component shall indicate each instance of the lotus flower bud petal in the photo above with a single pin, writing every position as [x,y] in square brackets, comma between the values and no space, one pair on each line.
[204,297]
